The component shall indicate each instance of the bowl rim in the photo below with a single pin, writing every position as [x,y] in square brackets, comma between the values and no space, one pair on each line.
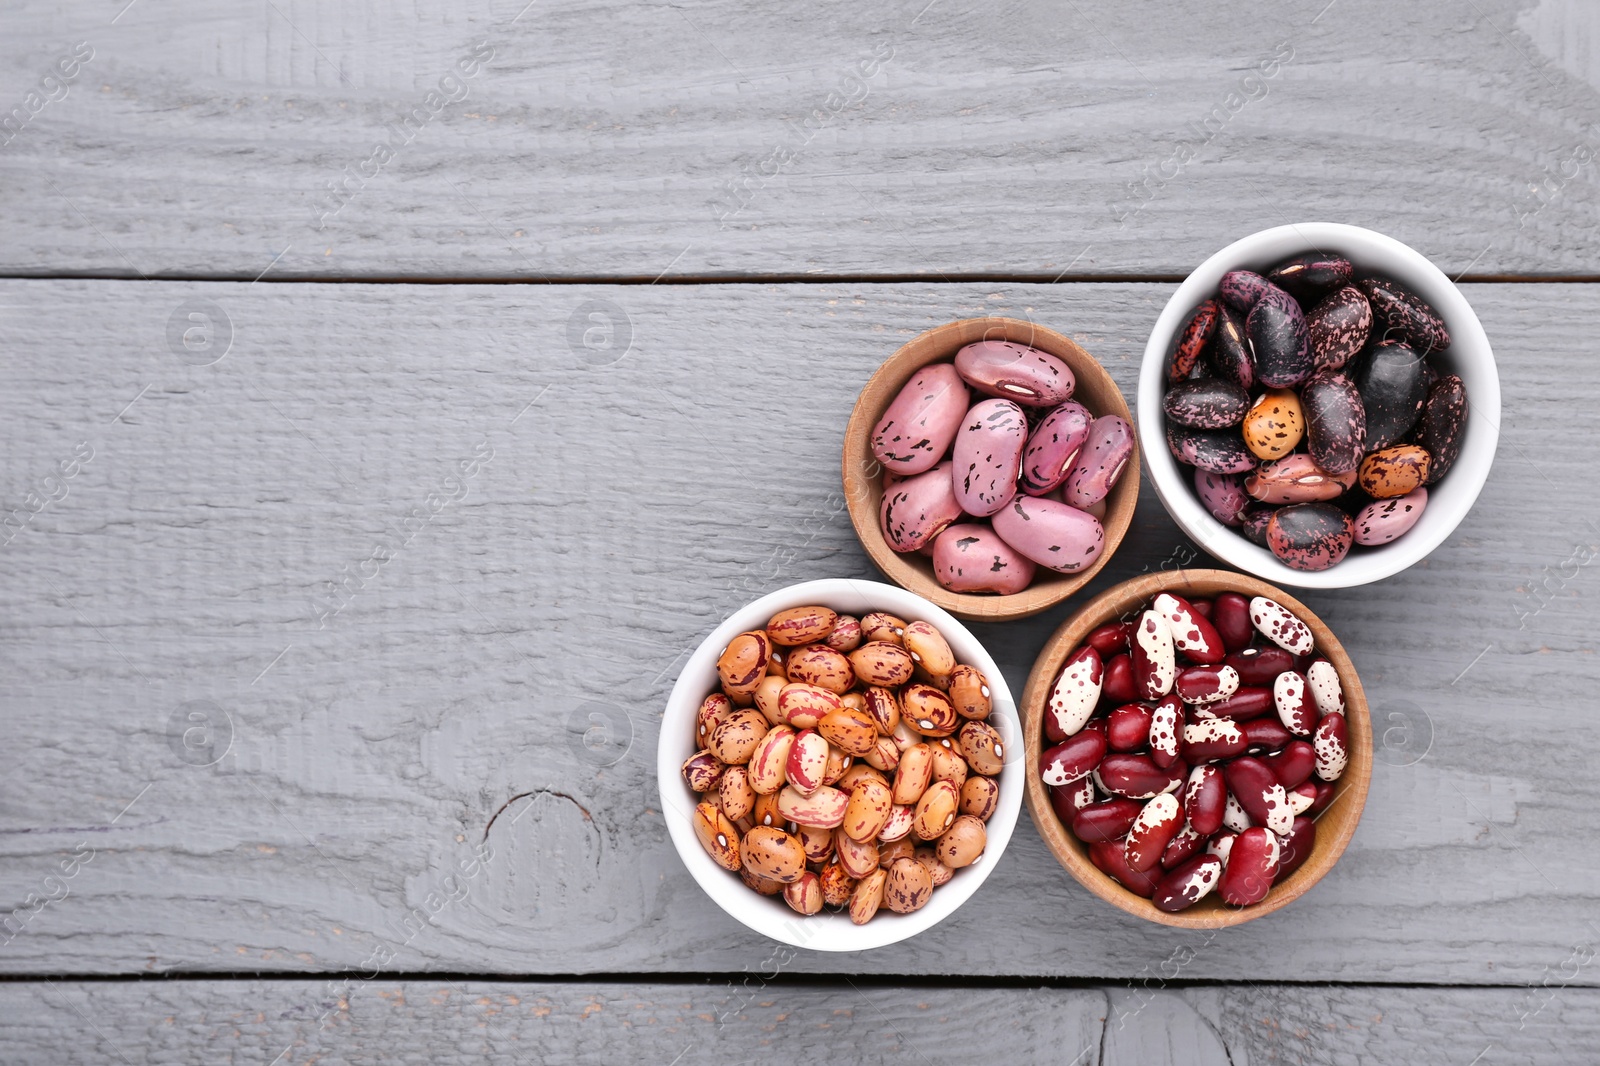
[1350,790]
[769,915]
[863,492]
[1469,343]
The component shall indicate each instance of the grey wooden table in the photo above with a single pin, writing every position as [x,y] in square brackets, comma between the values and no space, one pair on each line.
[270,274]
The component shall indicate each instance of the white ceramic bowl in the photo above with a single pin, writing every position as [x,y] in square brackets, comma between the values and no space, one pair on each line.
[770,915]
[1469,356]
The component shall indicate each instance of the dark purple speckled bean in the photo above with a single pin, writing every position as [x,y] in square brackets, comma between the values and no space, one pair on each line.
[1219,452]
[1308,276]
[1016,372]
[1406,315]
[1393,385]
[1229,353]
[1053,446]
[1101,461]
[1223,495]
[1242,289]
[1443,424]
[1338,327]
[1192,339]
[988,456]
[1254,526]
[1278,340]
[1209,403]
[1310,536]
[1336,423]
[916,508]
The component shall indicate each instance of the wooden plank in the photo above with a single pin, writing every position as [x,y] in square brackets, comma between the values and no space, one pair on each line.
[290,1022]
[621,139]
[509,655]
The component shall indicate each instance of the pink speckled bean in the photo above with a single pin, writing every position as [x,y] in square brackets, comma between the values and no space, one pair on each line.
[1016,372]
[1100,462]
[917,508]
[988,455]
[1381,521]
[1053,446]
[971,558]
[1052,534]
[1222,495]
[916,430]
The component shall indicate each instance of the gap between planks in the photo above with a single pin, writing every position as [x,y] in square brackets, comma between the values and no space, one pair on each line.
[739,279]
[791,980]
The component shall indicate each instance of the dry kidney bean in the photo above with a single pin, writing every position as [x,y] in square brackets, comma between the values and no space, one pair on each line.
[921,421]
[1117,685]
[1015,371]
[1192,341]
[1128,727]
[1296,848]
[1293,765]
[1252,862]
[1158,822]
[1123,781]
[1107,820]
[1113,862]
[1074,694]
[1347,363]
[1188,884]
[784,804]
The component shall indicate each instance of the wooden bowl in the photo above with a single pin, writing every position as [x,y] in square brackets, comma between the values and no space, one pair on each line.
[1335,824]
[863,475]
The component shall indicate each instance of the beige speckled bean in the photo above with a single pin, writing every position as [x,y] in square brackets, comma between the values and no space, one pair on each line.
[868,896]
[981,746]
[837,885]
[766,697]
[969,691]
[735,739]
[940,872]
[881,626]
[962,843]
[771,853]
[916,770]
[769,761]
[858,857]
[846,634]
[935,810]
[805,894]
[743,664]
[929,651]
[884,707]
[948,765]
[820,665]
[738,798]
[979,797]
[908,887]
[881,663]
[867,811]
[717,835]
[801,625]
[928,710]
[885,755]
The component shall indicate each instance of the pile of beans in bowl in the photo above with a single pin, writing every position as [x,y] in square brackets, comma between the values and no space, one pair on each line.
[845,762]
[995,488]
[1307,403]
[1193,745]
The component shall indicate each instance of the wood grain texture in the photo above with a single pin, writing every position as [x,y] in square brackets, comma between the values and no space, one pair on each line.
[292,1022]
[490,659]
[614,138]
